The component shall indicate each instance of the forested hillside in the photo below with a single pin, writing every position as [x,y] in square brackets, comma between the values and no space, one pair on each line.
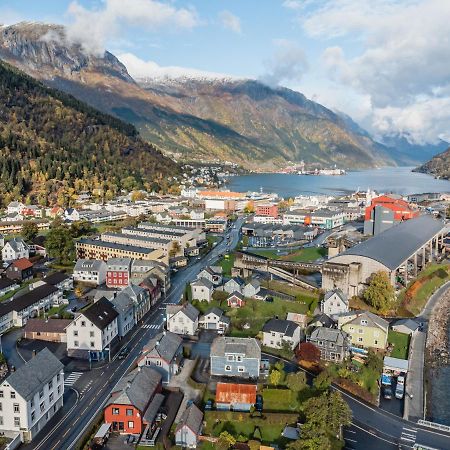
[439,165]
[52,146]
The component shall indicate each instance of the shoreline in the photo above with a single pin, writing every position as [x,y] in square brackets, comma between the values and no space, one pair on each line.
[436,348]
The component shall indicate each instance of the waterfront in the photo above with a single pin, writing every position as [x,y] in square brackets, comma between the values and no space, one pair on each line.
[399,180]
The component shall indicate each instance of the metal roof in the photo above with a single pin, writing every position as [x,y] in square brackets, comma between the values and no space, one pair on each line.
[236,393]
[286,327]
[398,243]
[100,313]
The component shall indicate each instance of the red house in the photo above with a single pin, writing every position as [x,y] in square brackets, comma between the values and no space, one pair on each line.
[135,401]
[267,210]
[20,270]
[235,300]
[118,272]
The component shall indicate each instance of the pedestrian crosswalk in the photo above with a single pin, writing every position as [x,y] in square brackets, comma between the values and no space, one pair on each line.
[152,327]
[408,436]
[72,378]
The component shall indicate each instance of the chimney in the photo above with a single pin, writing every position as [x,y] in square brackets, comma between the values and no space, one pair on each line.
[128,384]
[157,344]
[33,353]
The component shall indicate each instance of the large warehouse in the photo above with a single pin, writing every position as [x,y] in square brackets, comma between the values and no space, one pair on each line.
[402,250]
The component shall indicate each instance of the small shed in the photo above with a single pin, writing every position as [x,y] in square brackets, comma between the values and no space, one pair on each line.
[395,365]
[406,326]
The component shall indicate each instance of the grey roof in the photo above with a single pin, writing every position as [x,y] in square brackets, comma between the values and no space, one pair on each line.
[112,245]
[56,278]
[408,323]
[249,347]
[236,294]
[88,265]
[152,410]
[372,319]
[203,282]
[34,374]
[17,244]
[238,280]
[188,310]
[338,292]
[215,310]
[136,388]
[122,302]
[165,344]
[118,263]
[324,319]
[134,291]
[255,283]
[191,418]
[287,327]
[339,337]
[100,313]
[398,243]
[136,237]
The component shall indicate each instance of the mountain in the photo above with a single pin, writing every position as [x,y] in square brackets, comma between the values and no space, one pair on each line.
[205,119]
[439,166]
[52,146]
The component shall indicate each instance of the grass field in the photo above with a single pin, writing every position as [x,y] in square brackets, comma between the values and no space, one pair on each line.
[400,342]
[281,400]
[227,264]
[300,255]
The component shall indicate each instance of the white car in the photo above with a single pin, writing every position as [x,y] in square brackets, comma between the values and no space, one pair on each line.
[401,380]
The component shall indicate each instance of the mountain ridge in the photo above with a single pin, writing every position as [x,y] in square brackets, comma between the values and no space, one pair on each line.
[439,165]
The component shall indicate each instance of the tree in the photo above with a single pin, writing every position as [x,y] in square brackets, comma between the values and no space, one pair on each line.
[175,249]
[60,244]
[308,352]
[249,208]
[275,377]
[380,293]
[29,231]
[226,439]
[296,381]
[323,380]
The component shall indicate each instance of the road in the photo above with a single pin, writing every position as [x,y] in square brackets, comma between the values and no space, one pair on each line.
[95,386]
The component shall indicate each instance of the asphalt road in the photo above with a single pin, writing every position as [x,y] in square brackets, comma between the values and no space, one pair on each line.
[95,386]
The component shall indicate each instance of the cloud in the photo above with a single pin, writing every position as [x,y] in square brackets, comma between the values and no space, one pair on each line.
[230,21]
[93,27]
[140,69]
[399,59]
[288,63]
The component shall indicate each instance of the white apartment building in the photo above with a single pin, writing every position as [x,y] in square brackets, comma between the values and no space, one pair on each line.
[182,319]
[90,271]
[31,396]
[15,248]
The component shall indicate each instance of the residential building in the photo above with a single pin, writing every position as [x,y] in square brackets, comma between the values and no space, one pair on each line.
[235,397]
[90,271]
[405,326]
[141,269]
[214,319]
[71,214]
[164,353]
[386,211]
[31,396]
[212,274]
[332,343]
[124,306]
[269,210]
[15,226]
[50,330]
[7,285]
[202,289]
[136,394]
[235,300]
[322,320]
[189,429]
[323,218]
[60,280]
[365,329]
[20,270]
[300,319]
[91,333]
[118,272]
[235,284]
[139,241]
[141,299]
[277,333]
[15,248]
[334,303]
[153,287]
[251,289]
[235,357]
[182,319]
[15,207]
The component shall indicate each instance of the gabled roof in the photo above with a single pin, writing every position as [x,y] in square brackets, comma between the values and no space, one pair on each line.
[22,264]
[188,310]
[100,313]
[236,393]
[249,347]
[236,294]
[122,303]
[287,327]
[338,337]
[89,265]
[255,283]
[152,410]
[203,282]
[134,291]
[324,319]
[55,278]
[6,283]
[165,344]
[338,292]
[17,244]
[47,326]
[238,280]
[30,378]
[372,319]
[136,388]
[191,418]
[214,310]
[408,323]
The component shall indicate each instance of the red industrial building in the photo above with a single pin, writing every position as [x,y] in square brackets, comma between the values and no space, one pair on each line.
[385,211]
[267,210]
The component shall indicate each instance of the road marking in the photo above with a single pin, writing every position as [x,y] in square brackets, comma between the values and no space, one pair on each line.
[350,431]
[350,440]
[410,429]
[72,378]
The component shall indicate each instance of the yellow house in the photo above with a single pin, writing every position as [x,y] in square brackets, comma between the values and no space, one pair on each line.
[365,329]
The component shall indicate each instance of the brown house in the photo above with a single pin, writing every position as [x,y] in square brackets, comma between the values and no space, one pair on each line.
[20,270]
[52,330]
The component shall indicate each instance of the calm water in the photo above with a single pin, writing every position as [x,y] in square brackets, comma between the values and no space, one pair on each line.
[399,180]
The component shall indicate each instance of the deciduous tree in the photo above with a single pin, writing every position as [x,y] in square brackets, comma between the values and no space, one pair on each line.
[380,293]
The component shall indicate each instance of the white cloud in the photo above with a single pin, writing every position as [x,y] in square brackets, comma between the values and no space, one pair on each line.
[230,21]
[400,59]
[288,63]
[93,27]
[141,69]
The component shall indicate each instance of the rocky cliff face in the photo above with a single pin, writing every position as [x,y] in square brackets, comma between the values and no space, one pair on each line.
[243,121]
[439,166]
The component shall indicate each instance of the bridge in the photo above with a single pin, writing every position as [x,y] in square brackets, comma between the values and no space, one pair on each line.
[287,270]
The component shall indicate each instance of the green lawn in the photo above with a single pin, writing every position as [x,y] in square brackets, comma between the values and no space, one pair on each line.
[300,255]
[281,400]
[227,263]
[400,342]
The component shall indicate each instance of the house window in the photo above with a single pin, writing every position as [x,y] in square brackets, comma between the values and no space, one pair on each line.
[273,333]
[92,344]
[360,331]
[1,394]
[360,339]
[91,334]
[50,398]
[320,343]
[159,362]
[115,411]
[16,408]
[375,342]
[129,412]
[83,323]
[17,421]
[50,384]
[130,424]
[41,393]
[75,343]
[13,394]
[59,390]
[58,377]
[32,403]
[32,416]
[227,368]
[230,358]
[1,420]
[351,329]
[241,368]
[363,322]
[42,406]
[75,332]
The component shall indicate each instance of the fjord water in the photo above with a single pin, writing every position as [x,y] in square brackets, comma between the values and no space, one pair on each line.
[398,180]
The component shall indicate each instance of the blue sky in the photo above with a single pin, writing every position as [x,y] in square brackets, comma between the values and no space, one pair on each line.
[384,62]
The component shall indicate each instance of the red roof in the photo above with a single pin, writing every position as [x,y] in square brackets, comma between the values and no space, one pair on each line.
[236,393]
[22,263]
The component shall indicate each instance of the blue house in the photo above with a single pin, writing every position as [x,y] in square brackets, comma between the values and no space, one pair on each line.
[235,357]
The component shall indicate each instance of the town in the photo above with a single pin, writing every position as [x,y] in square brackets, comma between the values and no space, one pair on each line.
[153,321]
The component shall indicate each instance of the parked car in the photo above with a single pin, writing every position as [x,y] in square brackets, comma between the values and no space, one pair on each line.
[387,392]
[400,391]
[123,353]
[259,403]
[209,405]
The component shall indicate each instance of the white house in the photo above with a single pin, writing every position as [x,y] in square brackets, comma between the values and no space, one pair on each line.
[202,289]
[251,289]
[15,248]
[71,214]
[277,333]
[235,284]
[182,319]
[335,302]
[213,274]
[90,271]
[214,319]
[90,334]
[15,208]
[31,396]
[189,428]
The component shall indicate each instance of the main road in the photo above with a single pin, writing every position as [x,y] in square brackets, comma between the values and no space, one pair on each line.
[94,387]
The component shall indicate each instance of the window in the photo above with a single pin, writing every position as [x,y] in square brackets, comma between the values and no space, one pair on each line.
[239,358]
[360,339]
[75,332]
[363,322]
[159,362]
[230,358]
[32,416]
[129,412]
[1,407]
[273,333]
[115,411]
[360,331]
[50,384]
[241,368]
[92,344]
[375,342]
[16,408]
[13,394]
[227,368]
[58,377]
[130,424]
[17,421]
[1,420]
[50,398]
[41,393]
[76,344]
[83,323]
[42,407]
[1,394]
[320,343]
[59,390]
[91,334]
[32,403]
